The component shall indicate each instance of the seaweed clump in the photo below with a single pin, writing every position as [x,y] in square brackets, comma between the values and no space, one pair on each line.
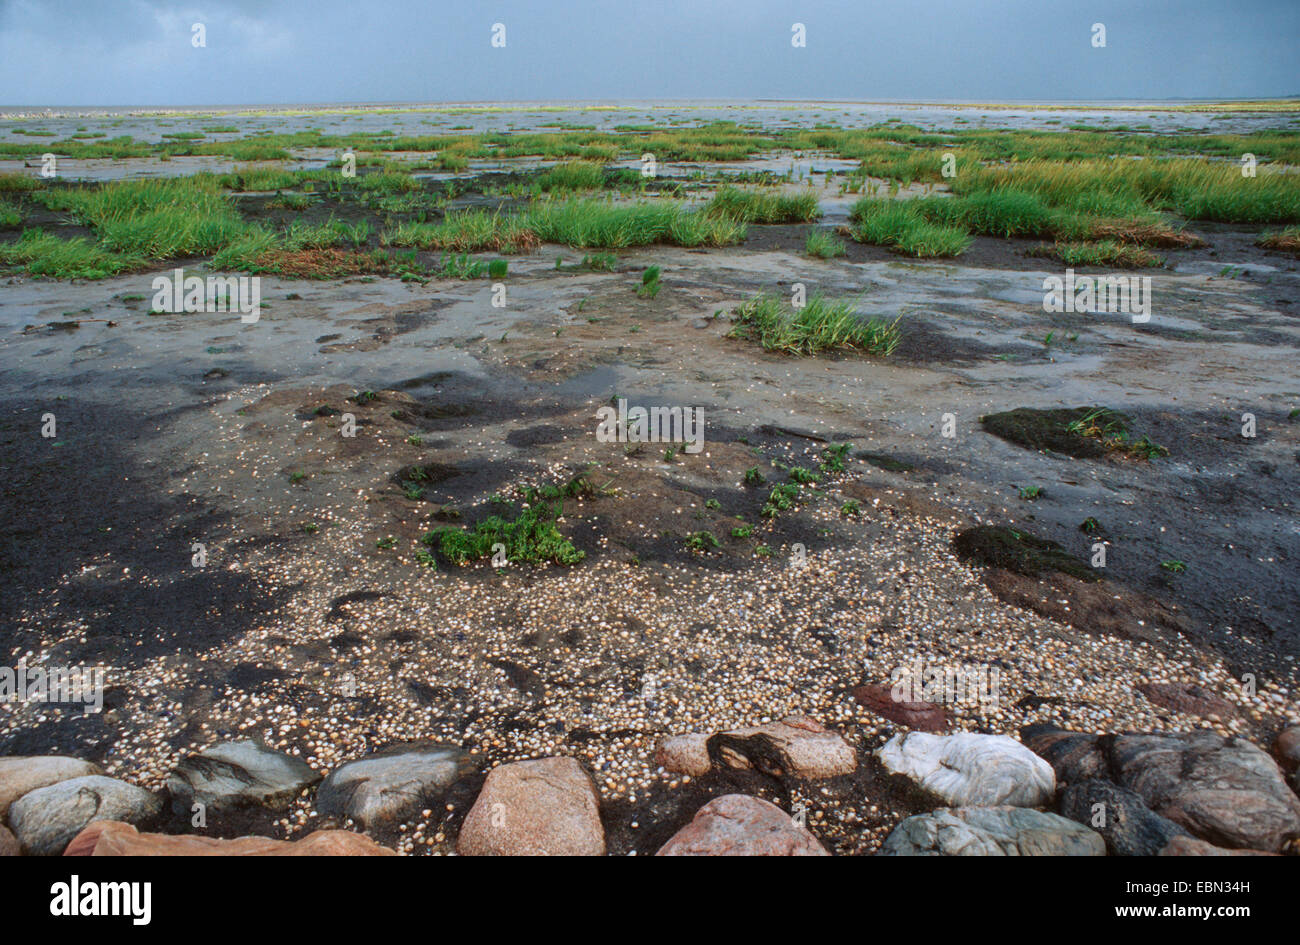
[997,547]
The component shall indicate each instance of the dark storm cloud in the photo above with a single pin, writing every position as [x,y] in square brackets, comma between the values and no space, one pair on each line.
[119,52]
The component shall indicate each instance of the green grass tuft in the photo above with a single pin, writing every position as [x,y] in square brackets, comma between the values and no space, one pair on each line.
[821,325]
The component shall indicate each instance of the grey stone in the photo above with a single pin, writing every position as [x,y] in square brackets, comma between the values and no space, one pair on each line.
[391,785]
[21,774]
[46,819]
[238,774]
[991,831]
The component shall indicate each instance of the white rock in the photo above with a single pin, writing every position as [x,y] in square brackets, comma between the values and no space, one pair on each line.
[971,770]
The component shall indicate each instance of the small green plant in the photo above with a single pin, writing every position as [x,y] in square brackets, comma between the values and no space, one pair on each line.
[532,536]
[426,558]
[763,551]
[712,504]
[297,476]
[1090,526]
[385,543]
[310,528]
[460,266]
[1174,566]
[649,283]
[820,325]
[702,541]
[805,477]
[851,508]
[833,458]
[415,439]
[1030,493]
[742,531]
[600,262]
[824,245]
[780,499]
[497,268]
[753,477]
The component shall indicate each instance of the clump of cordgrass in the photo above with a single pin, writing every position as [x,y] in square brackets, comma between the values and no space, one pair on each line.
[1101,253]
[386,182]
[43,254]
[18,183]
[1287,240]
[158,219]
[600,224]
[820,325]
[573,176]
[824,245]
[833,458]
[466,231]
[754,206]
[1004,213]
[259,179]
[902,228]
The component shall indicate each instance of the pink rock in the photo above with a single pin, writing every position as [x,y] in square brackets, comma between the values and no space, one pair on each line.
[113,838]
[741,825]
[685,754]
[922,716]
[1190,846]
[546,807]
[1189,699]
[810,750]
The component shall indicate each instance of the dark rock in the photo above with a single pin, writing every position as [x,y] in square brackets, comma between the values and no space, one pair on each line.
[1128,826]
[1074,756]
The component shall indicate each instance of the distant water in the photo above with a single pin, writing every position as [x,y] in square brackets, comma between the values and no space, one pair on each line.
[149,123]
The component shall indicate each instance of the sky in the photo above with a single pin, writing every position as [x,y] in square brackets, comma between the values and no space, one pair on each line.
[141,52]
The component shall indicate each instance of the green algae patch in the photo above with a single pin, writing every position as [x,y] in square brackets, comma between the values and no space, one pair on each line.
[996,547]
[1081,432]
